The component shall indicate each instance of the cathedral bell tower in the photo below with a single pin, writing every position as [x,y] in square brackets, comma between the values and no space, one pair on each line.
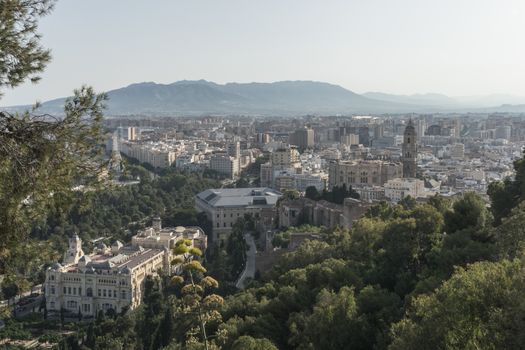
[409,155]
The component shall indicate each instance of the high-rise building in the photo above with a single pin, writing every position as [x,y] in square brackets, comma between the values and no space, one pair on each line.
[224,164]
[285,157]
[303,138]
[503,132]
[350,139]
[409,151]
[234,149]
[132,133]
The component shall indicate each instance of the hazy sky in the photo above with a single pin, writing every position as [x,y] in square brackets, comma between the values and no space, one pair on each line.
[456,47]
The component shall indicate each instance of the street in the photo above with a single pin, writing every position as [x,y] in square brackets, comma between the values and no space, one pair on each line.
[249,269]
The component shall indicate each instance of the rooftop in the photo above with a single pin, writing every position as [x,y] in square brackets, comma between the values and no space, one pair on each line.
[237,197]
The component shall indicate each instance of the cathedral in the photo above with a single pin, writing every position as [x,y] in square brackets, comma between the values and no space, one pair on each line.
[409,155]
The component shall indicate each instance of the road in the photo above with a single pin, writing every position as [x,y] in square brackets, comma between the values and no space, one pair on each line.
[29,306]
[249,269]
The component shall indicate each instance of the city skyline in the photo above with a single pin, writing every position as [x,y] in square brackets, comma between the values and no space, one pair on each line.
[454,49]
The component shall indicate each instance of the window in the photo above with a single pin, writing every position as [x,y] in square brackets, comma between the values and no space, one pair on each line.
[71,304]
[104,292]
[99,293]
[217,215]
[79,291]
[123,294]
[68,290]
[89,292]
[52,278]
[114,294]
[224,224]
[52,289]
[218,225]
[65,290]
[74,290]
[86,308]
[52,305]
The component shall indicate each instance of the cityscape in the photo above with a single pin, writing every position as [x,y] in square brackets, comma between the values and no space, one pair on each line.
[284,214]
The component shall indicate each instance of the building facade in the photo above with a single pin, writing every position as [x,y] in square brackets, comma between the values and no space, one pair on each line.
[225,164]
[363,172]
[112,278]
[303,138]
[224,206]
[397,189]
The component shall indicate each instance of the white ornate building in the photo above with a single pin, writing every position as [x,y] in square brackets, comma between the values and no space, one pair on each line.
[113,277]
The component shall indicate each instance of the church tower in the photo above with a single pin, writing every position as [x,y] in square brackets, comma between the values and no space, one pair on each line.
[74,251]
[409,156]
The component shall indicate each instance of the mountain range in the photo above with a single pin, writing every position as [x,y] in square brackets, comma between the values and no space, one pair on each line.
[202,97]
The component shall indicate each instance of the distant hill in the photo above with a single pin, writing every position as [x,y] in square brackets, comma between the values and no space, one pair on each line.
[202,97]
[430,99]
[484,103]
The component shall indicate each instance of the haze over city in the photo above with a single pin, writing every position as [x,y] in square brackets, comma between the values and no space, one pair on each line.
[262,175]
[458,48]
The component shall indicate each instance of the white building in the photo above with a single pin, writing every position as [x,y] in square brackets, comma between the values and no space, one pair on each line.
[370,193]
[113,277]
[159,155]
[397,189]
[225,164]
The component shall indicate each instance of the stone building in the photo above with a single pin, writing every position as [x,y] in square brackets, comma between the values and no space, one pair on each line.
[320,213]
[363,172]
[224,206]
[112,278]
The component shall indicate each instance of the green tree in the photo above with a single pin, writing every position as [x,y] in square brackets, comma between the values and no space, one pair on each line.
[311,192]
[329,325]
[507,194]
[469,211]
[249,343]
[41,157]
[478,308]
[21,55]
[510,235]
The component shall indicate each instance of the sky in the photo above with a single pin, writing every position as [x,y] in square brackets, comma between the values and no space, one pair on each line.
[454,47]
